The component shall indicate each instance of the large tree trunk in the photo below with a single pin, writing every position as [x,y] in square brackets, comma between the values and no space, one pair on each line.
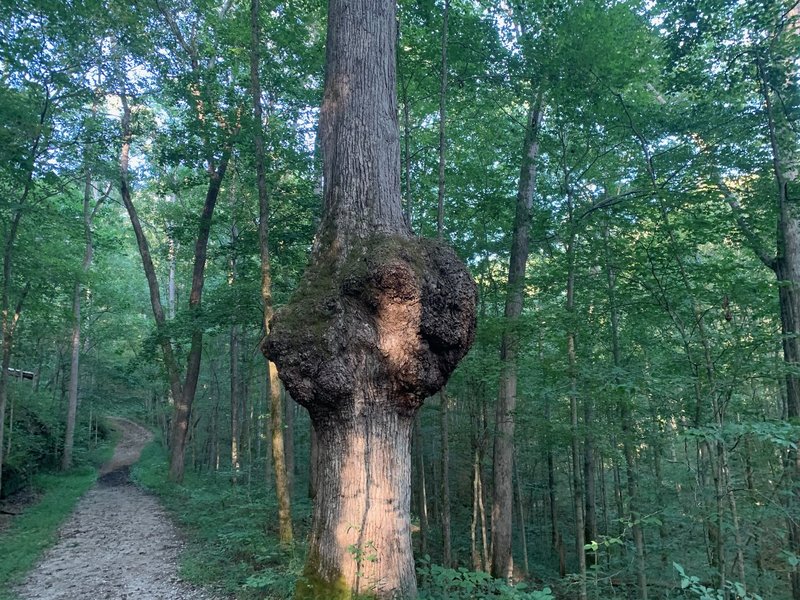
[377,325]
[502,500]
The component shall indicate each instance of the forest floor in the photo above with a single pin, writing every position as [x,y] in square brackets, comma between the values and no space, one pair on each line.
[118,544]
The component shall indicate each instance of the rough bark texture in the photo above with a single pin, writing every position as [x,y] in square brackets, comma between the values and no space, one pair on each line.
[378,323]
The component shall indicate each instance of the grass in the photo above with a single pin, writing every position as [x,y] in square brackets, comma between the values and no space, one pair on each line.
[232,542]
[32,532]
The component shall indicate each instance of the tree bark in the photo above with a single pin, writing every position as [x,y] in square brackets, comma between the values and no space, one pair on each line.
[378,323]
[502,499]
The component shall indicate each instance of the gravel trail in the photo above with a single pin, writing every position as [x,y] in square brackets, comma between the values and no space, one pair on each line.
[118,544]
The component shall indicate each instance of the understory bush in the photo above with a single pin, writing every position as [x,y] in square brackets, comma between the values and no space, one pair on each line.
[34,436]
[440,583]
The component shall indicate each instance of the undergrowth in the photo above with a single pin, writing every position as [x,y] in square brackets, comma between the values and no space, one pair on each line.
[233,544]
[231,530]
[440,583]
[35,530]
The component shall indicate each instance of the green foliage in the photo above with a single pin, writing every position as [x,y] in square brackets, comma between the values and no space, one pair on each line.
[440,583]
[35,437]
[693,588]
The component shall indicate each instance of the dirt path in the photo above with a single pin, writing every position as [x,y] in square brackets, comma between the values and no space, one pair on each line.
[118,544]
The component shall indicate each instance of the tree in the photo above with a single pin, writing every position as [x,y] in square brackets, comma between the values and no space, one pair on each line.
[90,208]
[378,323]
[502,505]
[276,402]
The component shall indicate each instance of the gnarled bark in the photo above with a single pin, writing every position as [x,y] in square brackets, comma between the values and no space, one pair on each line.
[378,323]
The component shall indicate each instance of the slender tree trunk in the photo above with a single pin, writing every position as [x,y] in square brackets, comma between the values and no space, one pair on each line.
[627,431]
[422,495]
[285,533]
[522,522]
[477,563]
[589,476]
[235,400]
[276,402]
[10,435]
[288,439]
[183,405]
[787,270]
[551,492]
[442,121]
[379,321]
[74,371]
[484,521]
[407,159]
[172,294]
[444,423]
[572,362]
[314,462]
[502,490]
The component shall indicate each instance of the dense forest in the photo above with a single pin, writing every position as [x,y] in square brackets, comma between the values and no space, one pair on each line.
[620,178]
